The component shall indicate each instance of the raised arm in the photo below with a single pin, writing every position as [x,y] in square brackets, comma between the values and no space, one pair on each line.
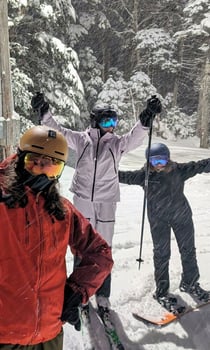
[191,169]
[135,137]
[136,177]
[41,107]
[72,137]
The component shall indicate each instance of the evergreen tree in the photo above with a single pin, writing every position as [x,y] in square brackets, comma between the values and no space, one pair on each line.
[40,47]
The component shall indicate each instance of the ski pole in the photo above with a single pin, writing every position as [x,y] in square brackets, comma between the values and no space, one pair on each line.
[145,194]
[37,110]
[39,115]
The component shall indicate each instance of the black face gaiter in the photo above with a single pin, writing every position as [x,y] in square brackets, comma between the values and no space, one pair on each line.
[103,132]
[37,183]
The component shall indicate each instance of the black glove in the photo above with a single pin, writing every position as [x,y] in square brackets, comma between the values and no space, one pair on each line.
[70,311]
[39,104]
[153,107]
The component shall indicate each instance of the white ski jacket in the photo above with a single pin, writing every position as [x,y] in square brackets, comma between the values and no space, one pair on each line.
[97,159]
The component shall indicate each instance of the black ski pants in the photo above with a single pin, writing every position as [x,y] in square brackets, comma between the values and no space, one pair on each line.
[183,229]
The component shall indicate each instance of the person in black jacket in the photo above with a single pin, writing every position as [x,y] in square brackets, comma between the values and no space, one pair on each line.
[168,208]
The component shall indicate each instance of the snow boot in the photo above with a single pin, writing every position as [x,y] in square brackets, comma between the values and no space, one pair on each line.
[195,290]
[167,301]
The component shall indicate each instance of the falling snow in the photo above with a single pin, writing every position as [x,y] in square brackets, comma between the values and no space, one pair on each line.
[132,288]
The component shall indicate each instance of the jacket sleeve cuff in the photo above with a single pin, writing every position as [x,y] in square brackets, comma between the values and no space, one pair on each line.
[82,291]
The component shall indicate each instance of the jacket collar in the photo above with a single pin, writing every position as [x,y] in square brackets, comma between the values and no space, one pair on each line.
[95,134]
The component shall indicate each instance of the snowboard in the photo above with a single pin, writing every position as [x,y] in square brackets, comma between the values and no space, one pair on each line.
[169,317]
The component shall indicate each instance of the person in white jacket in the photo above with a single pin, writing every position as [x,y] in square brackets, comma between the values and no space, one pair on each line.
[98,152]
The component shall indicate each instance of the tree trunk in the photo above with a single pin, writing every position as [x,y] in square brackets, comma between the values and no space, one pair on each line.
[6,97]
[176,82]
[204,106]
[9,128]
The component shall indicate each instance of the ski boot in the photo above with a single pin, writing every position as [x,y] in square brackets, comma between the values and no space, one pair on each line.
[103,304]
[196,291]
[109,327]
[167,301]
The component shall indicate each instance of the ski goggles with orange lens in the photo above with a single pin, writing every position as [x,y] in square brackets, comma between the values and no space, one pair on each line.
[158,160]
[108,122]
[37,164]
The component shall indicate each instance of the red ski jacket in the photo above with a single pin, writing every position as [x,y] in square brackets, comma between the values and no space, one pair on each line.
[33,247]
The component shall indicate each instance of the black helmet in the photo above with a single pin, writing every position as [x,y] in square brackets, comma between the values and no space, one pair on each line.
[98,113]
[158,149]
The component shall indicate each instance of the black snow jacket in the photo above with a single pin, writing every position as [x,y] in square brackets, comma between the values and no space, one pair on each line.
[165,196]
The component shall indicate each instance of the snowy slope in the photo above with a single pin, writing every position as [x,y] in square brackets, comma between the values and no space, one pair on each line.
[132,288]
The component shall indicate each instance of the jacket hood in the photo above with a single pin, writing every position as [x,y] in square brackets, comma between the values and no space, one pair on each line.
[7,171]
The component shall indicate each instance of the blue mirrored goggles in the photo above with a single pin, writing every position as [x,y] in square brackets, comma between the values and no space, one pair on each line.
[108,122]
[158,160]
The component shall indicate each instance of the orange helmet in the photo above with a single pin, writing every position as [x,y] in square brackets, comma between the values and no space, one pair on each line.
[43,140]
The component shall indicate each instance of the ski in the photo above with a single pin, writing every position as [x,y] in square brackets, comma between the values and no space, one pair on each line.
[110,331]
[169,317]
[98,331]
[86,329]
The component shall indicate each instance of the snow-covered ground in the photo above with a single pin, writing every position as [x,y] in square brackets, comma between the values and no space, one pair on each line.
[132,288]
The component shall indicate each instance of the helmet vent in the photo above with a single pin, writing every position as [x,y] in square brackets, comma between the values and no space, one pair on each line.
[61,153]
[39,147]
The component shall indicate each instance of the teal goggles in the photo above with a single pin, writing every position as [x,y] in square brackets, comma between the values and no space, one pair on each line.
[108,122]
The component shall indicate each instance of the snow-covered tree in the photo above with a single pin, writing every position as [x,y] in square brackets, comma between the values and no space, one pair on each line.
[40,47]
[116,52]
[128,98]
[90,73]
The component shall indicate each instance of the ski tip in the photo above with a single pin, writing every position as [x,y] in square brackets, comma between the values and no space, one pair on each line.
[159,322]
[168,317]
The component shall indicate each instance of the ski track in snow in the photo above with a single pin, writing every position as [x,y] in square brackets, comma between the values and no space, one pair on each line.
[132,288]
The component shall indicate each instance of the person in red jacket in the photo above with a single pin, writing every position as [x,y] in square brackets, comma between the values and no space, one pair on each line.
[37,225]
